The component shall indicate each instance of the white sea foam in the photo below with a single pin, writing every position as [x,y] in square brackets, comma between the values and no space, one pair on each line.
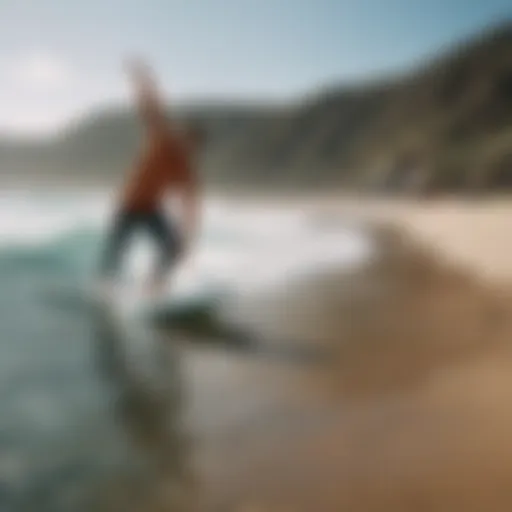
[241,248]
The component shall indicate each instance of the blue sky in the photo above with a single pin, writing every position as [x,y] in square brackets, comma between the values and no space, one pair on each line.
[59,57]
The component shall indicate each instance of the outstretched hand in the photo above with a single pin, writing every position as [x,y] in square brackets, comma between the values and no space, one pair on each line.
[138,69]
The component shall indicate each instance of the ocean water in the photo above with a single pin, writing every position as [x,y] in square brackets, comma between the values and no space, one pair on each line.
[90,402]
[240,250]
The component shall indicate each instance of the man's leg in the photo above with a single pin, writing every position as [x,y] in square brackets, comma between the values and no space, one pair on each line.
[116,243]
[168,242]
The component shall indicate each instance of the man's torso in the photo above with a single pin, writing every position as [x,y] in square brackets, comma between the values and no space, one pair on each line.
[163,165]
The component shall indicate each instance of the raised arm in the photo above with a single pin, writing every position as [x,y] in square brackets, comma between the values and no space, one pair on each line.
[150,105]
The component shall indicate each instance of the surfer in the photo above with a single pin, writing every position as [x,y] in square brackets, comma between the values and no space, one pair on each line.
[166,165]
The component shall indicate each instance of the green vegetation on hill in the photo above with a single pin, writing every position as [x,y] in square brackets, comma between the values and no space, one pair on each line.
[445,126]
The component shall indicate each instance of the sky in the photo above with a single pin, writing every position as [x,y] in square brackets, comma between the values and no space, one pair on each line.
[60,58]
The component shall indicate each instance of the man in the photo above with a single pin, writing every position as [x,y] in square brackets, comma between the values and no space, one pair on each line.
[165,165]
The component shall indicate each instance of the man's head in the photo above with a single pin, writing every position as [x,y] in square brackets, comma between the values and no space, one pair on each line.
[195,134]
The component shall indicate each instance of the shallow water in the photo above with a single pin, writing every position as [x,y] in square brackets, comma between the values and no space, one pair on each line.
[99,411]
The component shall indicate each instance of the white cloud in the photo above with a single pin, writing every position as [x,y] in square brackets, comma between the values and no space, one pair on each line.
[40,91]
[30,121]
[41,71]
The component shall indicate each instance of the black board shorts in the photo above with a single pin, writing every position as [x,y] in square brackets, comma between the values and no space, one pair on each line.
[126,223]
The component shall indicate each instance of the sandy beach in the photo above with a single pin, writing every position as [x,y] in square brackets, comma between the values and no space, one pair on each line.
[411,408]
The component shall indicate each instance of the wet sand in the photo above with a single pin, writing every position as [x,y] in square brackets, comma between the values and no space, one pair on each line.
[409,406]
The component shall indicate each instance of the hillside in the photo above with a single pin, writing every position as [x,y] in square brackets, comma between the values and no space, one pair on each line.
[444,126]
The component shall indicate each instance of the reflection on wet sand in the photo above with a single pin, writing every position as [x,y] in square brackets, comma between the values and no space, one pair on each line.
[147,405]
